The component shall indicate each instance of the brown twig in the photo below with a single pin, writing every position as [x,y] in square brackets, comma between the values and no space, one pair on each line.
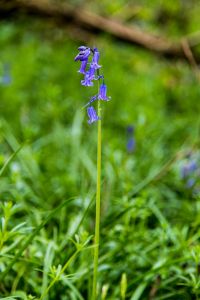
[92,22]
[189,55]
[154,288]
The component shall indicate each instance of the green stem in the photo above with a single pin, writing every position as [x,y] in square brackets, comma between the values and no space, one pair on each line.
[98,199]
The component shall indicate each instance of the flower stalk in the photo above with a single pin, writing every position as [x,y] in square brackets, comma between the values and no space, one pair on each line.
[90,69]
[98,206]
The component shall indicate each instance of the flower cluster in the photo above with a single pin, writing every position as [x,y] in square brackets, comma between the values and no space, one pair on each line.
[89,59]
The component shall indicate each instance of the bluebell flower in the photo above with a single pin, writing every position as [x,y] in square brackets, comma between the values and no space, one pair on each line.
[189,168]
[190,182]
[83,54]
[83,67]
[130,129]
[95,59]
[90,57]
[130,145]
[87,80]
[91,72]
[92,115]
[6,78]
[89,76]
[102,92]
[190,171]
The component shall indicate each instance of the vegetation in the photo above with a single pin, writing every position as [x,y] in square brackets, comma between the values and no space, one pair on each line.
[150,214]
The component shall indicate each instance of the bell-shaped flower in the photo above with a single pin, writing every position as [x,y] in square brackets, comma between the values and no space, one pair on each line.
[95,59]
[83,54]
[87,80]
[92,71]
[83,67]
[102,92]
[92,115]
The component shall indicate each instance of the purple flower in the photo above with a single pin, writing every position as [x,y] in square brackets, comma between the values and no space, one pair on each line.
[90,57]
[102,92]
[130,145]
[192,166]
[95,59]
[190,182]
[92,115]
[83,54]
[189,168]
[6,78]
[92,72]
[83,67]
[130,129]
[89,76]
[87,80]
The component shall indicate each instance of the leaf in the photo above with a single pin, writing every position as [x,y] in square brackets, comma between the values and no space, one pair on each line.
[31,237]
[138,292]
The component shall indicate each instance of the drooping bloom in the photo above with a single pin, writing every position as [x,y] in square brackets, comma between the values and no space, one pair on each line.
[91,72]
[87,80]
[92,115]
[89,58]
[83,54]
[95,59]
[89,76]
[83,67]
[102,92]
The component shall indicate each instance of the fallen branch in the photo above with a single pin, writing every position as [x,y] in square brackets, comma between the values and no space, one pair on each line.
[92,22]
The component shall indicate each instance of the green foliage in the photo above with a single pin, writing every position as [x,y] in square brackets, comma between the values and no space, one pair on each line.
[150,220]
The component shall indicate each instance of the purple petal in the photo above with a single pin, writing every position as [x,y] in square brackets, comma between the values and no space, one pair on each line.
[83,55]
[92,115]
[102,93]
[95,59]
[83,67]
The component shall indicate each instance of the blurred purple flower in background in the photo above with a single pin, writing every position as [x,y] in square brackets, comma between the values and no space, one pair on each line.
[190,183]
[190,172]
[6,77]
[188,168]
[130,146]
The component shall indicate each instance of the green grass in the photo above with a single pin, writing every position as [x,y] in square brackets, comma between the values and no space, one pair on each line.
[150,220]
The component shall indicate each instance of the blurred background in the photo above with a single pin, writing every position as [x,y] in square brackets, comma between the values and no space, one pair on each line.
[150,53]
